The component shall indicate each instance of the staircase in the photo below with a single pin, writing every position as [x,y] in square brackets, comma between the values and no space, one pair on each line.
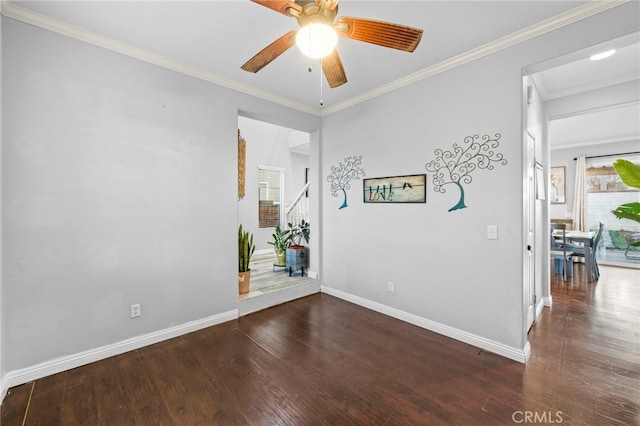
[299,209]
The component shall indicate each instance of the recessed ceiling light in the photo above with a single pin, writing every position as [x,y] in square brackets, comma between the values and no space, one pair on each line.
[603,55]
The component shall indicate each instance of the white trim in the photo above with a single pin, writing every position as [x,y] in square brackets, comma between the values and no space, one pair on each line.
[541,304]
[619,139]
[577,55]
[603,108]
[548,301]
[629,138]
[47,368]
[10,10]
[7,8]
[569,17]
[527,352]
[4,387]
[520,355]
[612,81]
[285,295]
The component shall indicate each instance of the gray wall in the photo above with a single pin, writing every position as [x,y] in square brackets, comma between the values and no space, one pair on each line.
[119,187]
[443,266]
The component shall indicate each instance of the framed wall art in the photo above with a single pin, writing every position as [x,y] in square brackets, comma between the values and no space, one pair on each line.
[395,189]
[557,185]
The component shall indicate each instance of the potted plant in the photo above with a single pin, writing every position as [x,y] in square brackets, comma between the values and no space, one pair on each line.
[630,175]
[245,251]
[298,232]
[297,257]
[280,244]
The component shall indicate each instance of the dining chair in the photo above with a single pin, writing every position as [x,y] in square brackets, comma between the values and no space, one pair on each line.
[562,258]
[578,250]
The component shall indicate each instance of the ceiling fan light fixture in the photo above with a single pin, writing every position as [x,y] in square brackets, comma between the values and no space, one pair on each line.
[603,55]
[316,40]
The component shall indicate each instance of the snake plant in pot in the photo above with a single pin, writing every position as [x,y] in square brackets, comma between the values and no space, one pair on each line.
[245,251]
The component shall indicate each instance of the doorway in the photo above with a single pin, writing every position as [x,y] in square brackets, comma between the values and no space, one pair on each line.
[576,106]
[276,163]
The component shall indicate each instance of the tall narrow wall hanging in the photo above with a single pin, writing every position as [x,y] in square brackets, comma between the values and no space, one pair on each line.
[342,174]
[242,160]
[455,166]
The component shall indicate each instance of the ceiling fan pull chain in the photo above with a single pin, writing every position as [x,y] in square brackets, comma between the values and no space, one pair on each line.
[321,102]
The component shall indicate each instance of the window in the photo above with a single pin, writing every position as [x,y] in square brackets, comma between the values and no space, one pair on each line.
[603,178]
[605,192]
[269,196]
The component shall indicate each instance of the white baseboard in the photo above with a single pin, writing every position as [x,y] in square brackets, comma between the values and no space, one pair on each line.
[539,307]
[24,375]
[4,387]
[520,355]
[548,302]
[284,295]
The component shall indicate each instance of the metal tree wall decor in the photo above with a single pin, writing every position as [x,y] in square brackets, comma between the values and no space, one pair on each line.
[342,174]
[455,166]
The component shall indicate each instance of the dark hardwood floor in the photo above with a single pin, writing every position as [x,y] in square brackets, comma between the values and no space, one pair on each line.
[320,360]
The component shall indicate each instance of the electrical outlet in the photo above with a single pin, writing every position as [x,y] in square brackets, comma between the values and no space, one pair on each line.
[390,286]
[135,310]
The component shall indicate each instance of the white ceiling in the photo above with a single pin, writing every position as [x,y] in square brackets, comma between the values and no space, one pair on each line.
[609,125]
[582,74]
[212,39]
[577,74]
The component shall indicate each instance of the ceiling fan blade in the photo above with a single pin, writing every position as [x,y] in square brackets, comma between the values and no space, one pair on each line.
[333,70]
[331,4]
[382,33]
[281,6]
[271,52]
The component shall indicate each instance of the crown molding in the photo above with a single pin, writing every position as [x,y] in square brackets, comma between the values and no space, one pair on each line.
[587,87]
[577,113]
[594,7]
[10,10]
[629,138]
[569,17]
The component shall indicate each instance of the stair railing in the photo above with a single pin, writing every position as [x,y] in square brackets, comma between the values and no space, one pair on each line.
[299,209]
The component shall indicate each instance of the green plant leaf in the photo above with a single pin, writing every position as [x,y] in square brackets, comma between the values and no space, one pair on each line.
[628,172]
[628,211]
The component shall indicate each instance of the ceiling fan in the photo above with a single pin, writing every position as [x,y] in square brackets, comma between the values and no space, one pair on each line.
[316,16]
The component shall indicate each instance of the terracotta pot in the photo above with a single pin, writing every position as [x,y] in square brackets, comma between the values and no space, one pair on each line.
[243,282]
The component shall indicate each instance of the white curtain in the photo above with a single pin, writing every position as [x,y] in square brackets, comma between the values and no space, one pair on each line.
[578,213]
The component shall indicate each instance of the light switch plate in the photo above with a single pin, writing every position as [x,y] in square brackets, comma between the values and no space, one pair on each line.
[492,232]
